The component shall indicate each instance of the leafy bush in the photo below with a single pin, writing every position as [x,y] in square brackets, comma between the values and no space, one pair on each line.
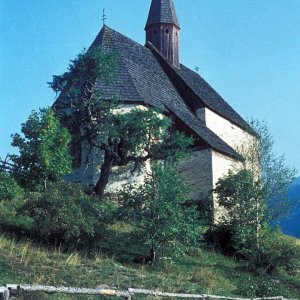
[275,251]
[65,214]
[11,200]
[9,189]
[260,287]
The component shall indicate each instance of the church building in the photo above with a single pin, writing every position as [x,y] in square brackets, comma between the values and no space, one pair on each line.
[152,75]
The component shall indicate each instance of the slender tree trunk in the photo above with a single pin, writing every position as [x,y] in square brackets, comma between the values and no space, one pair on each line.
[152,255]
[104,175]
[45,183]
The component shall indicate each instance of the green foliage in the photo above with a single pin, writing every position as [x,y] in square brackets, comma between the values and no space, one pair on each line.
[11,200]
[261,287]
[274,174]
[9,189]
[43,151]
[254,196]
[241,197]
[65,214]
[83,71]
[156,210]
[275,251]
[247,227]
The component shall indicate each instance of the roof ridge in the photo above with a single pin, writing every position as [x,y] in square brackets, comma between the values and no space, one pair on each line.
[203,101]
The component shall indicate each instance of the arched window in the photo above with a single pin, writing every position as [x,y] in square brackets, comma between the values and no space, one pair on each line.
[167,31]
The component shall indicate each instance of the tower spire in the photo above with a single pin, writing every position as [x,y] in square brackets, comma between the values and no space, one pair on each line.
[162,29]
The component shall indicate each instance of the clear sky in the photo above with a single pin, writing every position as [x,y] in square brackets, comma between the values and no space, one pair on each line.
[248,50]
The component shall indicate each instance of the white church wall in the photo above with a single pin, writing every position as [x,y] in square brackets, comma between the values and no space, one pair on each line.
[238,139]
[230,133]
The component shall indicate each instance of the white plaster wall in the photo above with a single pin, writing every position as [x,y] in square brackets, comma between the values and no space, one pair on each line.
[239,139]
[230,133]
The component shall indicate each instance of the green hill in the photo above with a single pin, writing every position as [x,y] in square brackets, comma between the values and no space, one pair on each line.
[202,271]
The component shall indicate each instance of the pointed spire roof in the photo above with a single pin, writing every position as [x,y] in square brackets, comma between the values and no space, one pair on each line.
[162,11]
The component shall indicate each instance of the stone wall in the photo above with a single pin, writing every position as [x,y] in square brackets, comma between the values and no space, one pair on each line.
[197,170]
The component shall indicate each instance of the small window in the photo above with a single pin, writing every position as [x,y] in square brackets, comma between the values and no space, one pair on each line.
[154,31]
[167,31]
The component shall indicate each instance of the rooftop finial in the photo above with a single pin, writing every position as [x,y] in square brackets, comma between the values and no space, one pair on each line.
[104,17]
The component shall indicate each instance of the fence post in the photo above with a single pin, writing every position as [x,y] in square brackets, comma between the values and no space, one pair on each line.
[4,293]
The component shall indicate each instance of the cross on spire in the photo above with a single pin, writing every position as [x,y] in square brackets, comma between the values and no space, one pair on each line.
[104,17]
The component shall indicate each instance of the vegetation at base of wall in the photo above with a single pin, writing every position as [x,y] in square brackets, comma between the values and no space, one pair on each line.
[245,225]
[158,215]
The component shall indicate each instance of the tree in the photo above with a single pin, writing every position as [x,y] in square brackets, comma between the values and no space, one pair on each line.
[252,197]
[156,211]
[269,170]
[124,137]
[247,225]
[43,150]
[241,197]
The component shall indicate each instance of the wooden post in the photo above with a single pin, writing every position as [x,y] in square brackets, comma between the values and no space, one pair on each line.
[4,293]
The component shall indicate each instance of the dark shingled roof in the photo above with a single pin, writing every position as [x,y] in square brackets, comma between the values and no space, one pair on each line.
[140,78]
[162,11]
[211,98]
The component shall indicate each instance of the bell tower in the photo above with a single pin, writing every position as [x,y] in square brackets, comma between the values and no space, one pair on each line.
[162,30]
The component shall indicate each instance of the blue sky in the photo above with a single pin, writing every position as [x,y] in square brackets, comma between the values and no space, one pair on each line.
[248,50]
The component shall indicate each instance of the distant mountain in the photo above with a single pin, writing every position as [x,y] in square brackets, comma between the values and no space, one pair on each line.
[291,224]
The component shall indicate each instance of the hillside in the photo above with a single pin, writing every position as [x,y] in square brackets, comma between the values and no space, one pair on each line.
[291,224]
[203,271]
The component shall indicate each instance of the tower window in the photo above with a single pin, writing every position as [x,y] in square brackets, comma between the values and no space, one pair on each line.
[167,31]
[154,31]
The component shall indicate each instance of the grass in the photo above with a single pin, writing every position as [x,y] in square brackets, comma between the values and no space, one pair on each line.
[201,271]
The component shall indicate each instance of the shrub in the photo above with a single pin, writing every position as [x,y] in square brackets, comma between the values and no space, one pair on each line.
[65,214]
[260,287]
[11,200]
[275,251]
[9,189]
